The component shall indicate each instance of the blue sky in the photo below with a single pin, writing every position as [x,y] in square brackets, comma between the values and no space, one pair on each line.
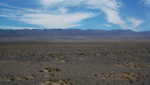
[80,14]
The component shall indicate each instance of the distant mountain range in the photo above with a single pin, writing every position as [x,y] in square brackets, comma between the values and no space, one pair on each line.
[69,34]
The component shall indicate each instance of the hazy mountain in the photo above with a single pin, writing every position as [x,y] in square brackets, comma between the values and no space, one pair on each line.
[70,34]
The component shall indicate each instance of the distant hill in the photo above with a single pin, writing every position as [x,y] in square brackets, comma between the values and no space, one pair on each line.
[69,34]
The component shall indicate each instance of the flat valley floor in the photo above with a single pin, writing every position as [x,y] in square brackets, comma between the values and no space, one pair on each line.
[100,63]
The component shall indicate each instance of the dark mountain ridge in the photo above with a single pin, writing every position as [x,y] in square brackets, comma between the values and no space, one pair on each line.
[70,34]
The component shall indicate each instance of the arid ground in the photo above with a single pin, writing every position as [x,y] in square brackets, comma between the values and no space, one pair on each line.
[99,63]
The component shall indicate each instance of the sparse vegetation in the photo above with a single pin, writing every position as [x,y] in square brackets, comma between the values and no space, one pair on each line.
[83,63]
[16,78]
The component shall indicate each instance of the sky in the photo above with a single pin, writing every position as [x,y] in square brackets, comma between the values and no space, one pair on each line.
[77,14]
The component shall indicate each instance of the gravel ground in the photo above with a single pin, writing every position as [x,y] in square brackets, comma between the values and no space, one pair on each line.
[110,63]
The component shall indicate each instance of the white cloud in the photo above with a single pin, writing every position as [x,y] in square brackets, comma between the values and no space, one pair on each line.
[61,18]
[146,2]
[55,21]
[58,19]
[8,8]
[48,3]
[64,3]
[109,7]
[108,25]
[113,16]
[62,10]
[135,23]
[112,4]
[16,28]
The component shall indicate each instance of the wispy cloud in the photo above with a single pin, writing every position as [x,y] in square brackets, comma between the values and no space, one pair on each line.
[109,7]
[61,17]
[107,25]
[10,7]
[58,19]
[16,27]
[55,21]
[146,2]
[61,3]
[135,23]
